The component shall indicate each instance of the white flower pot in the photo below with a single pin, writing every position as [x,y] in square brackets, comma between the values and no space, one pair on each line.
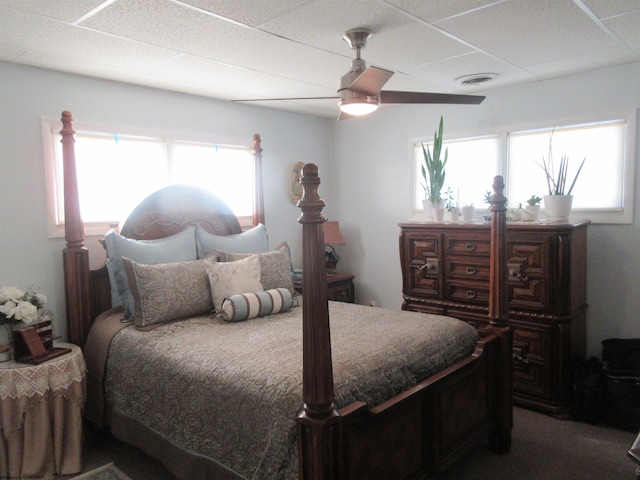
[533,211]
[454,213]
[438,213]
[558,207]
[467,213]
[428,208]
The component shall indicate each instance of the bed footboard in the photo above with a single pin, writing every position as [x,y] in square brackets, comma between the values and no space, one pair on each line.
[428,428]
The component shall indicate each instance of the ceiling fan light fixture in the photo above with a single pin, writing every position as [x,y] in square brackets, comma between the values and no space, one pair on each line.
[359,106]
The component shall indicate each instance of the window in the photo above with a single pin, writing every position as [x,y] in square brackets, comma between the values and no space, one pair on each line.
[469,159]
[603,191]
[117,171]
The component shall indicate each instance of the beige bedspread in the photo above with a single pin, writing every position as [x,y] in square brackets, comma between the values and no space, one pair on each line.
[231,391]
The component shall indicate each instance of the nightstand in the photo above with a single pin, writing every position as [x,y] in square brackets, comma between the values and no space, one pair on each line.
[339,287]
[41,429]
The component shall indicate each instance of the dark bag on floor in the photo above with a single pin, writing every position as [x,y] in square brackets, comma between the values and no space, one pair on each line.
[622,406]
[588,392]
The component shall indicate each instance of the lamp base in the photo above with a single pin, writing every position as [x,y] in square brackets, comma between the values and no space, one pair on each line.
[331,266]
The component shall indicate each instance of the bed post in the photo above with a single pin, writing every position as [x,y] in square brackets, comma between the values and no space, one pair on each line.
[75,256]
[319,421]
[258,207]
[500,440]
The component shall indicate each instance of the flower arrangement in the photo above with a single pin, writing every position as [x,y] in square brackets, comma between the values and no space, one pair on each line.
[18,306]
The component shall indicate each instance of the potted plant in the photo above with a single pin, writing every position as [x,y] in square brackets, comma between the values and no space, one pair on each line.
[532,208]
[433,172]
[452,205]
[467,212]
[558,202]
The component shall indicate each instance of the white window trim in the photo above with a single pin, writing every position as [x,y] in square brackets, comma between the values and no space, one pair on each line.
[600,216]
[98,229]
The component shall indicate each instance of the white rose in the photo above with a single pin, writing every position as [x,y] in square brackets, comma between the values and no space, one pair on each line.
[10,293]
[8,309]
[26,312]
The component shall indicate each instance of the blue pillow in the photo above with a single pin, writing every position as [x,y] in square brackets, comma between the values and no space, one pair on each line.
[259,304]
[252,241]
[180,247]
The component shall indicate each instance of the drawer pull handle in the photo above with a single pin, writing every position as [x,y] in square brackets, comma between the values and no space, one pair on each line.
[472,270]
[470,247]
[522,360]
[426,266]
[518,275]
[471,294]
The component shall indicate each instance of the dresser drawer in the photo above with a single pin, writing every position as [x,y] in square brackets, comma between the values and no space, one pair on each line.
[469,292]
[468,245]
[467,267]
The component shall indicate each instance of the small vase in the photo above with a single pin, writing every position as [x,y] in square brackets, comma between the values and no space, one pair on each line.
[558,207]
[533,211]
[438,214]
[454,213]
[428,208]
[467,213]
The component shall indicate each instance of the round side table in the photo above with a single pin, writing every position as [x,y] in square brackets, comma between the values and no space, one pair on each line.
[41,416]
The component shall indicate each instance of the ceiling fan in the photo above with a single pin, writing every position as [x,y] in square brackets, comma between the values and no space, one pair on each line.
[360,89]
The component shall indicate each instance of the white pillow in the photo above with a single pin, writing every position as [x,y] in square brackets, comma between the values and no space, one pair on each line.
[180,247]
[230,278]
[251,241]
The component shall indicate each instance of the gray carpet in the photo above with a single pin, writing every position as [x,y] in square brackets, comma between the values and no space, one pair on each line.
[543,448]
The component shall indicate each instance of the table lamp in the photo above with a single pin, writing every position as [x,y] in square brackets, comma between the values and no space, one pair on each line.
[332,237]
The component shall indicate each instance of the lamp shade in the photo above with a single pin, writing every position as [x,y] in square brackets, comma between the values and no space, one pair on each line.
[332,234]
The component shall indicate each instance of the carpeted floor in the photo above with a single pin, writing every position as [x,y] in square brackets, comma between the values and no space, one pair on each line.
[106,472]
[543,448]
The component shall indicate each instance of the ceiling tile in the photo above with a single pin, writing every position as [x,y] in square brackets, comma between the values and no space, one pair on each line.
[68,10]
[169,25]
[627,29]
[435,10]
[530,33]
[582,63]
[41,34]
[609,8]
[248,12]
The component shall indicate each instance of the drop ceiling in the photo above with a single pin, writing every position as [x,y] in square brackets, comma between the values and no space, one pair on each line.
[293,48]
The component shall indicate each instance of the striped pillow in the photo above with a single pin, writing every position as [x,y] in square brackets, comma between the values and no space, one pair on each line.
[251,305]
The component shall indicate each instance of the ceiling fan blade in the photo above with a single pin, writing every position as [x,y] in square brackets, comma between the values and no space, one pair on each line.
[278,99]
[390,96]
[371,81]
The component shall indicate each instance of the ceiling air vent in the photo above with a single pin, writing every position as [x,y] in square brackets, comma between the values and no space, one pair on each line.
[476,79]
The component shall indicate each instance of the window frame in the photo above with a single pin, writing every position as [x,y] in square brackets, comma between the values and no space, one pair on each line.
[54,180]
[623,215]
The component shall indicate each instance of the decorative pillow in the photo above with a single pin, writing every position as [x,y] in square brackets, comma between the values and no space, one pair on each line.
[180,247]
[254,240]
[168,291]
[275,266]
[230,278]
[251,305]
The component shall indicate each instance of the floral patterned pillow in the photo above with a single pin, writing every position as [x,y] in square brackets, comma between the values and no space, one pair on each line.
[230,278]
[168,291]
[275,267]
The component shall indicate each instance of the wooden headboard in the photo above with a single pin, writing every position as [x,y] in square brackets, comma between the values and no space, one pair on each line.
[163,213]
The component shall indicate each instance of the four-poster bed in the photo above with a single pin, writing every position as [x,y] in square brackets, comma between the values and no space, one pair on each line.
[403,417]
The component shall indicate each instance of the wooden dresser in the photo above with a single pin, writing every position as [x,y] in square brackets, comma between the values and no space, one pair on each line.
[445,270]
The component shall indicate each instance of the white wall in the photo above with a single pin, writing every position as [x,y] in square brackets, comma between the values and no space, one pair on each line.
[372,187]
[365,165]
[28,257]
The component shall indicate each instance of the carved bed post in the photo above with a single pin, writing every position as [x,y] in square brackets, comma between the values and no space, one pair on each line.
[499,315]
[75,255]
[319,421]
[258,208]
